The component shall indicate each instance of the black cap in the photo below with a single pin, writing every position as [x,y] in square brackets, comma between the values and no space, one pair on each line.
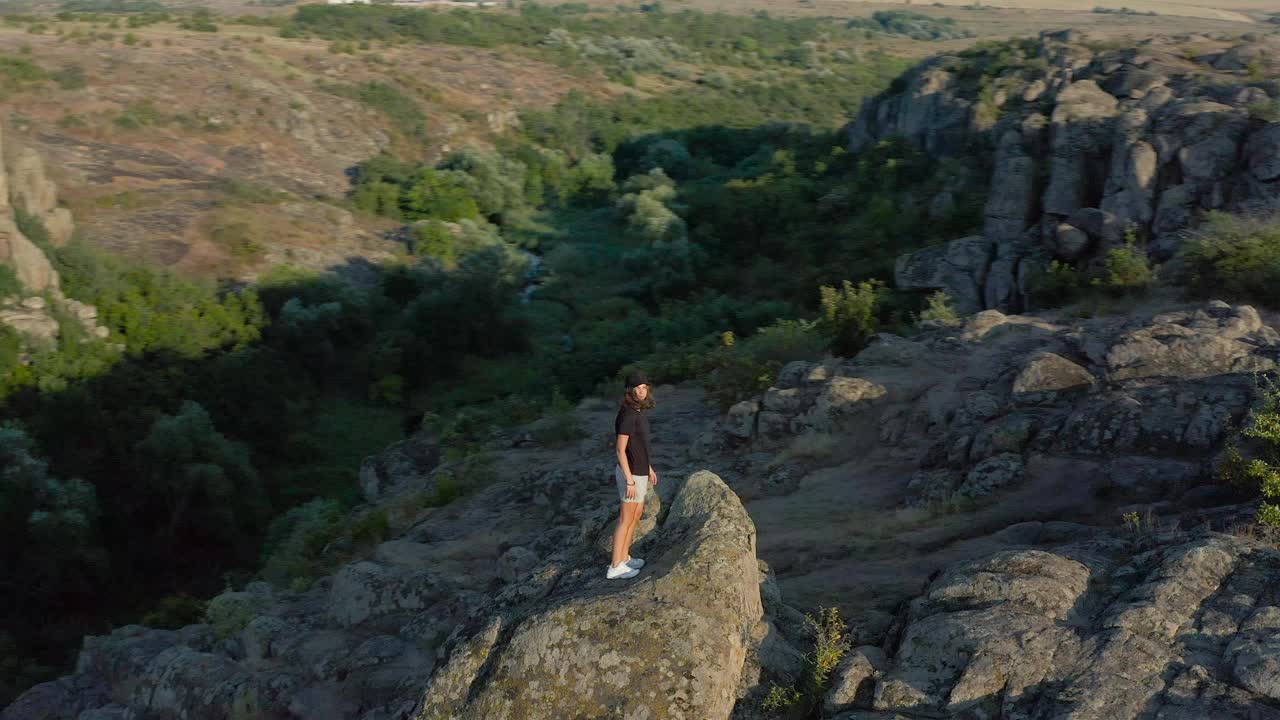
[636,377]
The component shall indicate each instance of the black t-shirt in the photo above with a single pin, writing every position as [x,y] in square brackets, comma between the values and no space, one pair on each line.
[635,425]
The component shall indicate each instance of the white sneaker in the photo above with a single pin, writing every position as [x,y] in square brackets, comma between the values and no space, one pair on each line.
[621,572]
[636,563]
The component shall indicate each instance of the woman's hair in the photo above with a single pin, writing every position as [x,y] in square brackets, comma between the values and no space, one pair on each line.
[629,399]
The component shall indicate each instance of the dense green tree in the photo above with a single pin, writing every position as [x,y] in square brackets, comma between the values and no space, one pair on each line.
[205,486]
[495,182]
[441,195]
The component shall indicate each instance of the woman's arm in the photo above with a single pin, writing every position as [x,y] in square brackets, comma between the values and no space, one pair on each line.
[626,467]
[622,456]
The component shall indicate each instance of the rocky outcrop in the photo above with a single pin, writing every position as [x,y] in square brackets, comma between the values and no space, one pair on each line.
[37,196]
[1004,401]
[1179,626]
[577,653]
[959,267]
[404,464]
[25,188]
[399,634]
[1088,146]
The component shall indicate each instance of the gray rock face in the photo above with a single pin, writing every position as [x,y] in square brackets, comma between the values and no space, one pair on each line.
[571,656]
[959,267]
[1263,153]
[1132,136]
[991,406]
[1011,209]
[367,590]
[69,697]
[928,112]
[404,464]
[1081,130]
[1032,634]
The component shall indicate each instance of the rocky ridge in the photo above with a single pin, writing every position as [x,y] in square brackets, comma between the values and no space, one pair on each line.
[1132,407]
[494,606]
[1088,144]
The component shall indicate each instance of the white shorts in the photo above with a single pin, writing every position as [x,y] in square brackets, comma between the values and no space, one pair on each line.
[641,481]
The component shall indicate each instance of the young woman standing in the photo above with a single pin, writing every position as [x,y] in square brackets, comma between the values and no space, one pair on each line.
[633,472]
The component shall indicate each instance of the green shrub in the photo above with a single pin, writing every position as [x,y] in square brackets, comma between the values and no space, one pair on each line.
[940,310]
[139,115]
[239,239]
[1058,284]
[1262,473]
[1233,256]
[176,611]
[784,341]
[296,541]
[447,490]
[230,612]
[1265,110]
[33,227]
[9,283]
[830,645]
[18,73]
[469,476]
[388,389]
[403,111]
[849,315]
[735,374]
[71,77]
[1127,270]
[432,238]
[914,25]
[371,528]
[197,24]
[562,425]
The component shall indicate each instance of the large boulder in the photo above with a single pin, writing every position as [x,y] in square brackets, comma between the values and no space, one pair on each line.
[1050,373]
[671,644]
[928,110]
[403,465]
[1191,344]
[28,261]
[1103,629]
[958,267]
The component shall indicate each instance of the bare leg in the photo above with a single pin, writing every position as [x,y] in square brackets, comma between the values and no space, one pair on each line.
[631,513]
[621,536]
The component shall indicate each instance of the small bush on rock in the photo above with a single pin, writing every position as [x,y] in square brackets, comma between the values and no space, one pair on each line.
[295,544]
[9,283]
[830,644]
[176,611]
[1128,270]
[230,612]
[940,310]
[1261,472]
[849,315]
[562,421]
[1058,284]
